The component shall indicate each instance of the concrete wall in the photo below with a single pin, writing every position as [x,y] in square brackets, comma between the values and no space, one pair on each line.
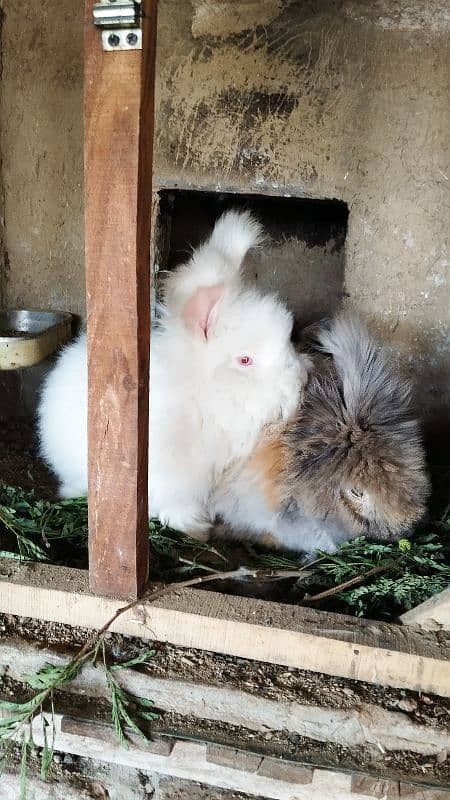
[345,99]
[42,153]
[3,263]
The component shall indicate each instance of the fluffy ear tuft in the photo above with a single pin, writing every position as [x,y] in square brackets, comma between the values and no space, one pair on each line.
[216,261]
[234,233]
[200,311]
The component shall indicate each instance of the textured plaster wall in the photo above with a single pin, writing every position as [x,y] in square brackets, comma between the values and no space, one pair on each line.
[42,153]
[3,264]
[345,99]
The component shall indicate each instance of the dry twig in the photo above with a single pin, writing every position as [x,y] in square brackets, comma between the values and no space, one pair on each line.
[350,583]
[156,594]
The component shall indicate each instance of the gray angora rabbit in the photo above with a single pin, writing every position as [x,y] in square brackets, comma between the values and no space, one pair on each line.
[350,462]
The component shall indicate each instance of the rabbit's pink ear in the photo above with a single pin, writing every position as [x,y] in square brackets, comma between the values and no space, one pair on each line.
[200,311]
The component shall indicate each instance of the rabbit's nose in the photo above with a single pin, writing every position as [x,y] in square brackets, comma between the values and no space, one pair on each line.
[355,435]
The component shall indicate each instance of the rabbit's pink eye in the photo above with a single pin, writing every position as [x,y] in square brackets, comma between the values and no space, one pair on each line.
[245,361]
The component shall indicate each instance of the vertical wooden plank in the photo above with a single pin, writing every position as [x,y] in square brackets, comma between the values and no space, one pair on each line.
[119,94]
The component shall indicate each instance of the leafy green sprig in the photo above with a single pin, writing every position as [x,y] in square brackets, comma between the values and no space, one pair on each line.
[127,710]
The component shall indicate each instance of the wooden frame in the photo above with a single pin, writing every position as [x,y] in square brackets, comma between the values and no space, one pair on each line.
[118,169]
[119,101]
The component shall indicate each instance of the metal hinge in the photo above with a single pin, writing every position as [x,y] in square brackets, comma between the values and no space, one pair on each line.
[120,22]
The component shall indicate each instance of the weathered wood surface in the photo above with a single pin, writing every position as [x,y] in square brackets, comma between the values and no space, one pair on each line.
[227,767]
[267,699]
[118,184]
[376,652]
[432,615]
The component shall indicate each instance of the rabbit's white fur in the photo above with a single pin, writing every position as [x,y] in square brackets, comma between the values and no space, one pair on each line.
[62,417]
[206,409]
[217,260]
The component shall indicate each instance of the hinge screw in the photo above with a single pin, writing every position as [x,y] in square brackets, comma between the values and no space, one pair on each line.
[132,39]
[113,39]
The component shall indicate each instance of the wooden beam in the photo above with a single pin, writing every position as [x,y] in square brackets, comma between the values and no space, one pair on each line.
[119,90]
[365,650]
[432,615]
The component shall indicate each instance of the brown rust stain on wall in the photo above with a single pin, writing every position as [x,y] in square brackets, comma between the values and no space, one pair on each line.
[214,17]
[244,102]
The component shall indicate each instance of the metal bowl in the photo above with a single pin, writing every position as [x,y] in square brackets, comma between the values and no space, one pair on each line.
[27,337]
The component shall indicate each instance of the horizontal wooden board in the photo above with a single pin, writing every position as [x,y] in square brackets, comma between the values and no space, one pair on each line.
[347,647]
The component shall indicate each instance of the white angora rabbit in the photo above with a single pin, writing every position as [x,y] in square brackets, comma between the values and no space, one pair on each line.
[222,366]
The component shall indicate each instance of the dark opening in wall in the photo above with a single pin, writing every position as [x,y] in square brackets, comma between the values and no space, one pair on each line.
[304,260]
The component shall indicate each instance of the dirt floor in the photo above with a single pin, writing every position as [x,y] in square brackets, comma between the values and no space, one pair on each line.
[20,464]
